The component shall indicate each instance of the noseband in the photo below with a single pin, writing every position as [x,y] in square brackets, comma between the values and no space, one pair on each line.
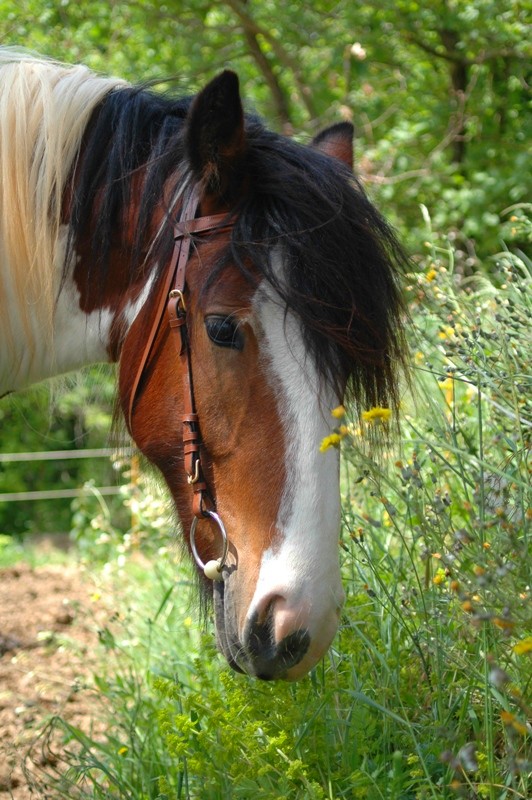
[172,299]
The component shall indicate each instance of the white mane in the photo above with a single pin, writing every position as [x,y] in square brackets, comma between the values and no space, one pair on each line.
[44,110]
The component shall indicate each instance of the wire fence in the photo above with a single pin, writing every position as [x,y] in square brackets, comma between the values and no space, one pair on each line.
[61,455]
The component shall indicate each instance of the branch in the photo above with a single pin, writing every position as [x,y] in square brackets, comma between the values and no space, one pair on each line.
[458,58]
[278,94]
[252,28]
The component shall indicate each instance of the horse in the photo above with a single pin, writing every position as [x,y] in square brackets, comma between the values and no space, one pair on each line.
[244,284]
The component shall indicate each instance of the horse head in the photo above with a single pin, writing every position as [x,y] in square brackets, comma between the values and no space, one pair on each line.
[262,401]
[245,284]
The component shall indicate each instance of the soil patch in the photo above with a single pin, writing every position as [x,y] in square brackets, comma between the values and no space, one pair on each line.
[48,652]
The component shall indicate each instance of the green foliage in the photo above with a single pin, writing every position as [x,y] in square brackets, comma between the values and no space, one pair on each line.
[423,694]
[437,90]
[44,419]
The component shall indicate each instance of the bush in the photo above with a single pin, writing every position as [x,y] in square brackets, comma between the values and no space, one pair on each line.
[423,692]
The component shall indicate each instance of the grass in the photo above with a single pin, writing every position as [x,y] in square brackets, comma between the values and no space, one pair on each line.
[424,692]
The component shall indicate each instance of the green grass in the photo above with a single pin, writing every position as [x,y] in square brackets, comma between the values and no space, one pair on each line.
[424,692]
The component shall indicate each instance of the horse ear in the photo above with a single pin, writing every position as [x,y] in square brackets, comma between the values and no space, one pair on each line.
[215,139]
[337,141]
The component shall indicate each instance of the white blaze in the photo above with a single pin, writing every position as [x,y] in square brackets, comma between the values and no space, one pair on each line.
[303,564]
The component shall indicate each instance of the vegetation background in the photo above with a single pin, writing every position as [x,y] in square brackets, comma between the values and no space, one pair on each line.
[425,693]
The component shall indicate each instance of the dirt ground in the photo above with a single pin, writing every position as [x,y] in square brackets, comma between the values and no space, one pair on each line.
[48,634]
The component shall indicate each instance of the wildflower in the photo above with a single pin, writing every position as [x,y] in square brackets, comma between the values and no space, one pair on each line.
[122,751]
[511,720]
[431,274]
[455,586]
[498,677]
[503,624]
[446,333]
[524,646]
[520,727]
[439,577]
[357,51]
[468,757]
[377,414]
[467,606]
[338,412]
[447,383]
[333,440]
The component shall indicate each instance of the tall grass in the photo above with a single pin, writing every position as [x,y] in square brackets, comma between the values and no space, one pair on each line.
[424,692]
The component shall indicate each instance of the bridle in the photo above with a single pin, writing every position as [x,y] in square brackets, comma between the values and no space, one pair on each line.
[172,299]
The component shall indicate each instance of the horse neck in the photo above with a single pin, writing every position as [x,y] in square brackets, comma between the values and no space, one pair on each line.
[41,323]
[86,326]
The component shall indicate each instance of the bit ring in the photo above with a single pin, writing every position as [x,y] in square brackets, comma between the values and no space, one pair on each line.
[212,569]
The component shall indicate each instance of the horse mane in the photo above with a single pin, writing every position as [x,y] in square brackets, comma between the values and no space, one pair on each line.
[44,111]
[340,259]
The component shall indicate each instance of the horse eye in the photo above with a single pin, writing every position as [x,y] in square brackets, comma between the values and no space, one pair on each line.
[224,331]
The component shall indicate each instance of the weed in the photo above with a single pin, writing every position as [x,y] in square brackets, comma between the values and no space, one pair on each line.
[423,694]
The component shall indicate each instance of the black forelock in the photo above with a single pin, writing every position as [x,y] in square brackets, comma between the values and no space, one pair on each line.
[341,262]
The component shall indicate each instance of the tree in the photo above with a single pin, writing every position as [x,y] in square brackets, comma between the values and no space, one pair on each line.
[437,90]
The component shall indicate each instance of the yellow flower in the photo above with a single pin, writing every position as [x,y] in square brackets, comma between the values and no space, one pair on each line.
[333,440]
[122,751]
[447,383]
[503,624]
[524,646]
[377,414]
[519,727]
[338,412]
[446,333]
[510,719]
[431,274]
[439,577]
[447,387]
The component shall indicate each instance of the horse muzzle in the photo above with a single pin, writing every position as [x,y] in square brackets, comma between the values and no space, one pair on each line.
[281,637]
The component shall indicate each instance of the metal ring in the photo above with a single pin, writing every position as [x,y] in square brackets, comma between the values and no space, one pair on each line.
[217,519]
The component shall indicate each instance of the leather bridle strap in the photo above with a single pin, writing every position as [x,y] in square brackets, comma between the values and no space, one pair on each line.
[172,298]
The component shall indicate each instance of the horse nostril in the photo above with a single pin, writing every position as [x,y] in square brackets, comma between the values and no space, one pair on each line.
[270,657]
[265,609]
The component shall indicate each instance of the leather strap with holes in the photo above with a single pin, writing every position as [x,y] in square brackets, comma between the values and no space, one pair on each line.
[172,298]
